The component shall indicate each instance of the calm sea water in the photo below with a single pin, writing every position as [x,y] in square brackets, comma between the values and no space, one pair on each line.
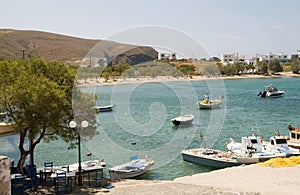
[140,123]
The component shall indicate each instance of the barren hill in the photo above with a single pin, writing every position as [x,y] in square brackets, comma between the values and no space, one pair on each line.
[15,43]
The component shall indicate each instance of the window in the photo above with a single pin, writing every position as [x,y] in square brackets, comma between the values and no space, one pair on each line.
[253,141]
[281,141]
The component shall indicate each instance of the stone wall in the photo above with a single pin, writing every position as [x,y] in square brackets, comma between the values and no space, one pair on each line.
[5,184]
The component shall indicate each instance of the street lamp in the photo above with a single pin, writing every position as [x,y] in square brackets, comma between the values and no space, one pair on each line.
[73,125]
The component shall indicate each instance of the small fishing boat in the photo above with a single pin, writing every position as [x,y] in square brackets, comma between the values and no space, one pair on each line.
[216,158]
[134,168]
[293,140]
[206,103]
[272,92]
[183,120]
[279,144]
[104,108]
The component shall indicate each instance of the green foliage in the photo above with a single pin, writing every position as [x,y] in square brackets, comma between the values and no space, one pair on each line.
[275,66]
[295,66]
[262,67]
[38,97]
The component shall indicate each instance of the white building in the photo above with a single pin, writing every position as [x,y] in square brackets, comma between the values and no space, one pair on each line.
[232,58]
[167,56]
[269,57]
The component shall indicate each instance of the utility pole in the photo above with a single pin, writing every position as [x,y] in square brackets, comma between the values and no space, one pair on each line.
[23,53]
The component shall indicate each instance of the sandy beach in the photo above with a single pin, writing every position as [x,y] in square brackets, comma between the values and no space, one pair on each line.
[250,179]
[101,81]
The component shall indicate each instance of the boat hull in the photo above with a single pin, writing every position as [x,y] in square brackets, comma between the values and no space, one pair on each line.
[213,105]
[183,120]
[123,172]
[216,161]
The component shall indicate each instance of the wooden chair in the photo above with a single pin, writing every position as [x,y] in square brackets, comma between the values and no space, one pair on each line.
[18,184]
[48,170]
[61,182]
[31,177]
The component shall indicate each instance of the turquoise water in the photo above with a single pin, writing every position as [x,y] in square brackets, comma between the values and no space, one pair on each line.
[142,116]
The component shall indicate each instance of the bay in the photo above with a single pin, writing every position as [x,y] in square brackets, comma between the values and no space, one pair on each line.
[140,122]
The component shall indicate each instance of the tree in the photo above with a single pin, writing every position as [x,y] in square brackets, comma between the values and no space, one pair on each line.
[295,66]
[275,66]
[38,97]
[262,67]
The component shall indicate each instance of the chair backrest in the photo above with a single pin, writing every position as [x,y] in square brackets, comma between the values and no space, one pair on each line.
[61,176]
[31,171]
[48,165]
[19,179]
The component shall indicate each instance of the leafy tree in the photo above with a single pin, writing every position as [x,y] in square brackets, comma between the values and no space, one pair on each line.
[275,66]
[38,97]
[295,66]
[262,67]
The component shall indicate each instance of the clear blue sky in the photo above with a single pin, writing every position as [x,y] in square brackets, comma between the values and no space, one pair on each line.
[247,27]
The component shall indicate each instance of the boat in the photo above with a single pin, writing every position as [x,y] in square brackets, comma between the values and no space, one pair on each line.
[272,92]
[134,168]
[206,103]
[216,158]
[255,147]
[103,108]
[6,127]
[183,120]
[279,144]
[293,140]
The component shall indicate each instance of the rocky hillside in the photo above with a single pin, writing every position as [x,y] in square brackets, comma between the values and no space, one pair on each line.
[16,44]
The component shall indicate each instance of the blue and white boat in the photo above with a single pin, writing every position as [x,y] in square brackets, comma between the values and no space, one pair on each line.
[104,108]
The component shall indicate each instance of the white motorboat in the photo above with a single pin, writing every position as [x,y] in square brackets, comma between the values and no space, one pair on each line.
[207,103]
[104,108]
[183,120]
[134,168]
[279,144]
[272,92]
[216,158]
[293,140]
[255,147]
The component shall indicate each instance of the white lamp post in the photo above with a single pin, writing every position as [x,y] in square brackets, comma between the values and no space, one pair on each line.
[73,125]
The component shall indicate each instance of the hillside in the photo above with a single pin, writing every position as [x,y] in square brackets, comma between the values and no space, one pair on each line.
[13,43]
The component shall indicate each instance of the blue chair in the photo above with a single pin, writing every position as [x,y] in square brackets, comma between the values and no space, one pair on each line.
[31,177]
[18,184]
[61,182]
[48,170]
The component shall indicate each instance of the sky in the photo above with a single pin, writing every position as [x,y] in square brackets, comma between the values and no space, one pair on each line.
[246,27]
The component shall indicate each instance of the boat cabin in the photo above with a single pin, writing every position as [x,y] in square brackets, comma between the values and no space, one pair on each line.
[252,143]
[279,141]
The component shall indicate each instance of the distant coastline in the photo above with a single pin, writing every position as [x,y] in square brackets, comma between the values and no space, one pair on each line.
[101,81]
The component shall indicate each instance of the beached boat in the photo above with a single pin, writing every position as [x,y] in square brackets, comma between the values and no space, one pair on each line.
[255,147]
[279,144]
[104,108]
[216,158]
[183,120]
[272,92]
[134,168]
[6,127]
[207,103]
[293,140]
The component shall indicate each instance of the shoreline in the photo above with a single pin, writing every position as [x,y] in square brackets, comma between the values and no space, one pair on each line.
[160,79]
[248,179]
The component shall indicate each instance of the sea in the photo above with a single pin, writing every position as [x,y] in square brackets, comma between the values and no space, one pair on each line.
[140,122]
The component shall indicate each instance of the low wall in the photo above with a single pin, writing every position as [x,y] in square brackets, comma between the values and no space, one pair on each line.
[5,183]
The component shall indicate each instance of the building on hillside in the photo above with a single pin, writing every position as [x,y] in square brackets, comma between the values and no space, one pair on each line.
[232,58]
[167,56]
[270,56]
[296,56]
